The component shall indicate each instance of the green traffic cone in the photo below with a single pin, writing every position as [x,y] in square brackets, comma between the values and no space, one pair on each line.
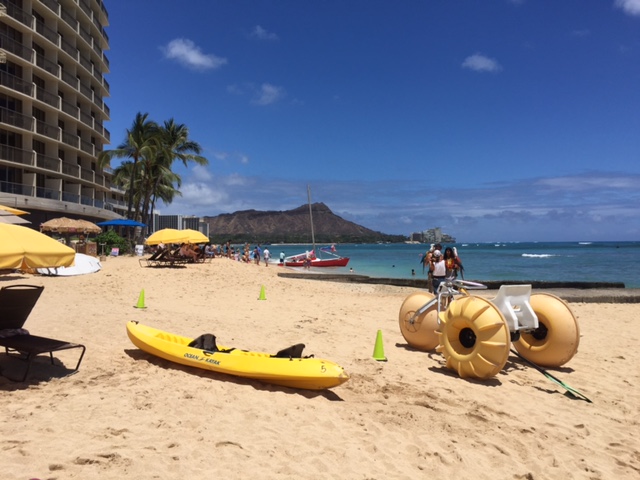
[378,350]
[141,300]
[262,295]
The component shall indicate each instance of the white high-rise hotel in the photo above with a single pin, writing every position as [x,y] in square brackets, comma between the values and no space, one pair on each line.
[52,109]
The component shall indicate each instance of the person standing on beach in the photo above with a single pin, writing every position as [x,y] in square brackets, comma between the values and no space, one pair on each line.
[266,254]
[425,260]
[452,262]
[282,257]
[256,255]
[438,269]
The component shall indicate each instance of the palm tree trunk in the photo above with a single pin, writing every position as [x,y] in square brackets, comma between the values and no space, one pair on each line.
[131,186]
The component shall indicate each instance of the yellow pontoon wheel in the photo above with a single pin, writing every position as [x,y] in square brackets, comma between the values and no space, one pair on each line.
[557,337]
[474,337]
[421,333]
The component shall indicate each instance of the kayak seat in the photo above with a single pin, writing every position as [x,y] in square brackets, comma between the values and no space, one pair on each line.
[206,341]
[294,351]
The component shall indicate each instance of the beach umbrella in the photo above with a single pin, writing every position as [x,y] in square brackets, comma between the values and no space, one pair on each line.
[121,222]
[167,235]
[10,215]
[59,225]
[86,226]
[13,211]
[69,225]
[6,217]
[194,236]
[22,247]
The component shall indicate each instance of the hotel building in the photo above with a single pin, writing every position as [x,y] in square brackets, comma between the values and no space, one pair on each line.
[52,110]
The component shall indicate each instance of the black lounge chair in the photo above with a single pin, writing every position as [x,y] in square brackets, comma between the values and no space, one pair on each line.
[151,261]
[16,303]
[170,259]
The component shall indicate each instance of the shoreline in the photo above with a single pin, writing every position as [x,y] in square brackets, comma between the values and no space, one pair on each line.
[574,292]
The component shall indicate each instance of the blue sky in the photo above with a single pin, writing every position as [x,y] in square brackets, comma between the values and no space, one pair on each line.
[496,120]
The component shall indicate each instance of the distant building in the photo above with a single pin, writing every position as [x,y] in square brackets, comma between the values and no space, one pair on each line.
[52,110]
[179,222]
[433,235]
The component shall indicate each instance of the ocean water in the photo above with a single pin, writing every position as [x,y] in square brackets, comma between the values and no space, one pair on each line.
[534,261]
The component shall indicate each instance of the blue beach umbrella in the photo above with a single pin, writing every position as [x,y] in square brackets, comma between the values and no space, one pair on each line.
[121,222]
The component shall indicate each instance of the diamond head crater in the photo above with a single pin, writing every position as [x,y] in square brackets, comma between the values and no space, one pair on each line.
[291,226]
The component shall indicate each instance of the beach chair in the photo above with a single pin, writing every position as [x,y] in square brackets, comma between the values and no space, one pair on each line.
[150,262]
[169,259]
[16,303]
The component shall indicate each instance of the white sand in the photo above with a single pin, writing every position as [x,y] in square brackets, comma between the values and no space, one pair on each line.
[126,414]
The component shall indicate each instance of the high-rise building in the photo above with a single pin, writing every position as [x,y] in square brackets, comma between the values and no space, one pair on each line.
[52,110]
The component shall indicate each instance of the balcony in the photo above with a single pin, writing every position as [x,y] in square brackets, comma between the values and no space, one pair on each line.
[17,119]
[18,14]
[47,65]
[11,46]
[16,83]
[17,155]
[48,163]
[48,98]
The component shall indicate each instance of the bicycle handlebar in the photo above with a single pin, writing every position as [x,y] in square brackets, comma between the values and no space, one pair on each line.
[468,285]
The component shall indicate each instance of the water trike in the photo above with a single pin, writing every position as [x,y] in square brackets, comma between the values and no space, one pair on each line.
[475,334]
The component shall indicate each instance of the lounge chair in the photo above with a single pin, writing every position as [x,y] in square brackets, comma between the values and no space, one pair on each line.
[169,259]
[150,262]
[16,303]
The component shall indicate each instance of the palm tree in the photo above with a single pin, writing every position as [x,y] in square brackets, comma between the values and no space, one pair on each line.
[148,175]
[173,144]
[141,139]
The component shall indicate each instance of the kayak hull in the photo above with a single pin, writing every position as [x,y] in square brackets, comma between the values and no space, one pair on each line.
[303,373]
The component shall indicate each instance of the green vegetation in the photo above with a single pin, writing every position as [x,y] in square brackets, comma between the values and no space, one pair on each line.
[111,239]
[151,150]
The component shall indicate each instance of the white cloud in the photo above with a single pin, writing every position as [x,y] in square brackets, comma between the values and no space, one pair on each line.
[262,34]
[268,94]
[198,194]
[481,63]
[202,172]
[187,53]
[237,180]
[631,7]
[543,208]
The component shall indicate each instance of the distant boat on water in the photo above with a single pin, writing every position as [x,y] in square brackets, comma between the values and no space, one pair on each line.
[310,258]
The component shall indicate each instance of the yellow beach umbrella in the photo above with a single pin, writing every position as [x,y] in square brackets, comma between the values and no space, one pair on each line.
[167,235]
[6,217]
[14,211]
[194,236]
[22,247]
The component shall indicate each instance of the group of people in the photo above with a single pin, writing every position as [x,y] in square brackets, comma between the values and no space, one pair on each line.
[245,253]
[189,251]
[241,254]
[441,266]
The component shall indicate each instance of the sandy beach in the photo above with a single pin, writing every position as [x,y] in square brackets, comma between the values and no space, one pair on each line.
[126,414]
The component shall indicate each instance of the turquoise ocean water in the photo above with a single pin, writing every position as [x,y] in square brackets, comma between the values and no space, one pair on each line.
[535,261]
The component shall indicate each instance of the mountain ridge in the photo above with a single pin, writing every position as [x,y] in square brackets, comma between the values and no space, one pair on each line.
[291,226]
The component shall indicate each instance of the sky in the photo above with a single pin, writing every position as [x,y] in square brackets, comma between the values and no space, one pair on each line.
[495,120]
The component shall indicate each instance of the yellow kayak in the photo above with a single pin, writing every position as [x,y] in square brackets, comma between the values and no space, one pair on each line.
[305,373]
